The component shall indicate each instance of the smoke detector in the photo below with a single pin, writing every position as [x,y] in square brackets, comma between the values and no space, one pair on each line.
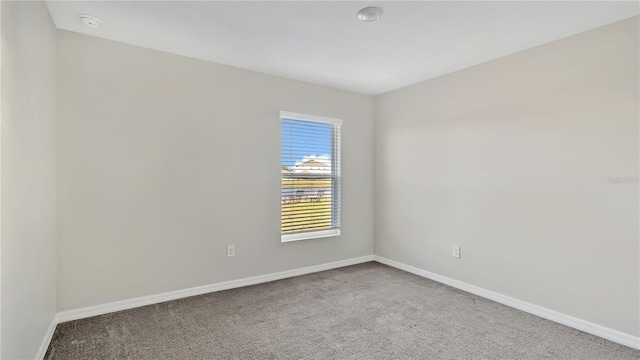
[370,14]
[90,21]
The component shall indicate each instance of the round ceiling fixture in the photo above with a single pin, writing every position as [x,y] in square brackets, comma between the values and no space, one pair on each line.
[90,21]
[370,14]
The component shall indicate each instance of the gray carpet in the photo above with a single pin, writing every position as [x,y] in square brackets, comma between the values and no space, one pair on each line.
[367,311]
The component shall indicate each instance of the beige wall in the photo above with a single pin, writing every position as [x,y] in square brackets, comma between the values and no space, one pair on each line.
[512,160]
[28,128]
[164,160]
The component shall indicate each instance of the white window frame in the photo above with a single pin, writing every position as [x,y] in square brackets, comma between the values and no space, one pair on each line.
[308,235]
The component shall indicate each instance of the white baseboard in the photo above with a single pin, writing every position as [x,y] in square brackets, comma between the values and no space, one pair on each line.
[47,339]
[591,328]
[576,323]
[76,314]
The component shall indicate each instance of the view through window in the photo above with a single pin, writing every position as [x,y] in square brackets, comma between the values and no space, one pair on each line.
[310,183]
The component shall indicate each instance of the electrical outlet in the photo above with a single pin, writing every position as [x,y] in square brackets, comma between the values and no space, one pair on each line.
[456,251]
[231,251]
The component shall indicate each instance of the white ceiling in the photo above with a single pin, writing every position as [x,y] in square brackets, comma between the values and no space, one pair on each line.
[324,43]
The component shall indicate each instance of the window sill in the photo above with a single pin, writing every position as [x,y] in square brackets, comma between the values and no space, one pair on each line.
[309,235]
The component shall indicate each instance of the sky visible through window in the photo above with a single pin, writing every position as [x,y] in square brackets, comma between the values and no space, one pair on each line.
[303,141]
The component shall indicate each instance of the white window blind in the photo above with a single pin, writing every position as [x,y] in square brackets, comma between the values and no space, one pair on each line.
[310,183]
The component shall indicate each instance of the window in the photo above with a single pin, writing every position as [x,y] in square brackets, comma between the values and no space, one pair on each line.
[310,181]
